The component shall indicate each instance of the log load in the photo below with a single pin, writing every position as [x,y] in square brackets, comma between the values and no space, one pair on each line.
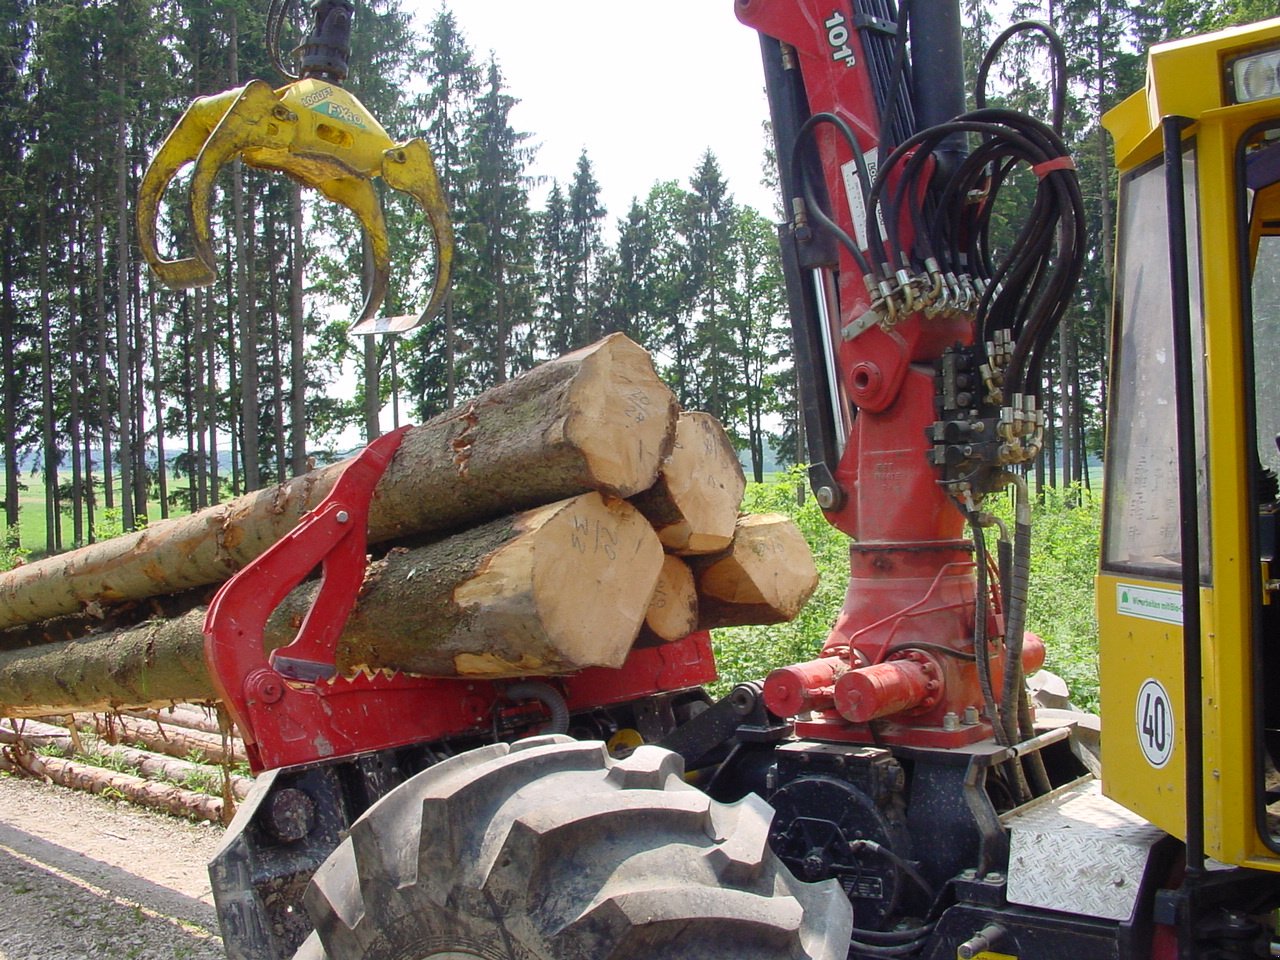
[522,535]
[694,502]
[147,793]
[598,419]
[144,763]
[551,590]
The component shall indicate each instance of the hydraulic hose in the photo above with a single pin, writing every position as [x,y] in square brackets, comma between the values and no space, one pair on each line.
[548,696]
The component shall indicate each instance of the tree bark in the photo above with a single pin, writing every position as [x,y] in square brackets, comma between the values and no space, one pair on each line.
[187,716]
[297,338]
[694,503]
[766,576]
[9,370]
[124,362]
[552,590]
[48,421]
[595,419]
[206,748]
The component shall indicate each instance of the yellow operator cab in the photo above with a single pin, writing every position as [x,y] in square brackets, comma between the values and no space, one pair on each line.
[1198,154]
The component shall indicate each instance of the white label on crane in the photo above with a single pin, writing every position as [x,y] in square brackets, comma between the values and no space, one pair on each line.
[1149,603]
[857,201]
[1153,716]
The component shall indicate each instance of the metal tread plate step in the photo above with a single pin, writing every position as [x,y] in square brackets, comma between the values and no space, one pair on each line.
[1075,850]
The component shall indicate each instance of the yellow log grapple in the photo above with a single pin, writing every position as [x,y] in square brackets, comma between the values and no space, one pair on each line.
[316,132]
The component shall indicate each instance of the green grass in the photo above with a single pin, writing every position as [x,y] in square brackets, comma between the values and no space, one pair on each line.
[31,520]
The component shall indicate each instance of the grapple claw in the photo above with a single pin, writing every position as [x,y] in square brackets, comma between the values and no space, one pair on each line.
[254,122]
[408,167]
[323,137]
[359,197]
[180,147]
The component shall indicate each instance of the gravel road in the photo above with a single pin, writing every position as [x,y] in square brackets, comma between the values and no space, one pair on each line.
[85,878]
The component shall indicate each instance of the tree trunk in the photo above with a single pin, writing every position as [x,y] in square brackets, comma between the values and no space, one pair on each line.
[245,305]
[48,424]
[212,467]
[552,590]
[297,338]
[124,363]
[104,373]
[370,371]
[597,419]
[162,470]
[203,405]
[75,271]
[141,472]
[235,389]
[9,370]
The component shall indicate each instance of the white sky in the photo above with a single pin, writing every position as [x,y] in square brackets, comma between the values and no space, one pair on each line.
[645,87]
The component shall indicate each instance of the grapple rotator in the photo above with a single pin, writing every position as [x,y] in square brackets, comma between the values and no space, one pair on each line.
[316,132]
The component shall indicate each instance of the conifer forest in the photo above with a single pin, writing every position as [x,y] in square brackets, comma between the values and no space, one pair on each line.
[125,401]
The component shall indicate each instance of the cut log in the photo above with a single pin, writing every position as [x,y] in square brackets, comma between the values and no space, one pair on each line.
[148,793]
[172,742]
[97,619]
[549,591]
[673,609]
[767,576]
[152,664]
[694,503]
[187,716]
[597,419]
[144,763]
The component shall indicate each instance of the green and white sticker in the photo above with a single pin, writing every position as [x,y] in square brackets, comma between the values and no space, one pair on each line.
[1149,603]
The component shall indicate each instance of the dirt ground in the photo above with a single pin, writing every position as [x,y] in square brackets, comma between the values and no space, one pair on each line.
[85,878]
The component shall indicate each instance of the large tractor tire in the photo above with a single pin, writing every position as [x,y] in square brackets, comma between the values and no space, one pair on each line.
[548,849]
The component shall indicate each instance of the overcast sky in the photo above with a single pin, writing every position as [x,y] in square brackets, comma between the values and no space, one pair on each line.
[645,87]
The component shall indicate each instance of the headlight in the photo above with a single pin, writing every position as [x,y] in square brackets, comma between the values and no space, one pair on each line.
[1255,76]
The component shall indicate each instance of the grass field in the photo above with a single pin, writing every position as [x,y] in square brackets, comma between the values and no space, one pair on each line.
[31,518]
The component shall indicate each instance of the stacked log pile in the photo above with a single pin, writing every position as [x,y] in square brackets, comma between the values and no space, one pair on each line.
[545,527]
[175,761]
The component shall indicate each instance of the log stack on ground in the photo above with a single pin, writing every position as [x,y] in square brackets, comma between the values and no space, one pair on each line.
[509,549]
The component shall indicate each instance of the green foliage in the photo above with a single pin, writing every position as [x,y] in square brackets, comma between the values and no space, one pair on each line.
[1064,560]
[1065,526]
[11,554]
[205,781]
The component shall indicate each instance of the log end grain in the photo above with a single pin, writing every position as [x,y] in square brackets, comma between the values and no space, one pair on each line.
[766,576]
[622,417]
[694,503]
[570,590]
[673,609]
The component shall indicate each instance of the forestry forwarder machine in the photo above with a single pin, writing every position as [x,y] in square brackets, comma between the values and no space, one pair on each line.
[897,796]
